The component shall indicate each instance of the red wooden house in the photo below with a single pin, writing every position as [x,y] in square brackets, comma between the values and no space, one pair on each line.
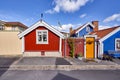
[42,39]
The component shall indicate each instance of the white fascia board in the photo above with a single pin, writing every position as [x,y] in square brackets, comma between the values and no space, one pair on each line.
[53,30]
[41,23]
[110,34]
[85,26]
[90,36]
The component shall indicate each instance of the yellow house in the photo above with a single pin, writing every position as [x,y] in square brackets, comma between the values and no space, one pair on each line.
[10,44]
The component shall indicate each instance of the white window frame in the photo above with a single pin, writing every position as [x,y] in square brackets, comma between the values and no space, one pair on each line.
[116,44]
[41,42]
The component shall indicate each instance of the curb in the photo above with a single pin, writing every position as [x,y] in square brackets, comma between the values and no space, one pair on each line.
[60,67]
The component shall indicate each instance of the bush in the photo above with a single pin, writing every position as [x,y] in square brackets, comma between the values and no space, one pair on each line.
[107,57]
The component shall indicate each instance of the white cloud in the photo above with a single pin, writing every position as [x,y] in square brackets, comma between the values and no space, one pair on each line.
[83,15]
[103,27]
[114,17]
[67,5]
[66,27]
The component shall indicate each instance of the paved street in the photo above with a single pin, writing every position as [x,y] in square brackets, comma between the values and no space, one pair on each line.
[34,74]
[60,75]
[7,60]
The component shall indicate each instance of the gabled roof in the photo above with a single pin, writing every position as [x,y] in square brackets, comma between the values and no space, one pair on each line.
[38,24]
[83,26]
[105,33]
[16,24]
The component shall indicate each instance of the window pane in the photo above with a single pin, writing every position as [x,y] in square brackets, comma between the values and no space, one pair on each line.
[45,32]
[44,37]
[118,44]
[40,38]
[39,33]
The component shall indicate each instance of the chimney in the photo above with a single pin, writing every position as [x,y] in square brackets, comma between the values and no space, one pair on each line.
[70,30]
[96,24]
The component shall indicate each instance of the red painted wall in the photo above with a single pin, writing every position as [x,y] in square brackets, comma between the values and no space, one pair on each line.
[30,41]
[78,47]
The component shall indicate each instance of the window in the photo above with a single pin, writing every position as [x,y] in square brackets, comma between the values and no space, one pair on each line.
[117,44]
[88,29]
[42,36]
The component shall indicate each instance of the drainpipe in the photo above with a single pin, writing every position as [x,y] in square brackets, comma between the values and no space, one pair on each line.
[65,48]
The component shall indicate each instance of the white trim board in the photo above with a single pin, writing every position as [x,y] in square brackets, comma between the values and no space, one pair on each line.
[60,45]
[40,23]
[85,26]
[95,36]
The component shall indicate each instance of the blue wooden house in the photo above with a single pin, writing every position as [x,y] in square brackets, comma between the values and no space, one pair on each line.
[108,41]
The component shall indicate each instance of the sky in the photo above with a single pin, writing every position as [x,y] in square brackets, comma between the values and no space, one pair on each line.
[62,14]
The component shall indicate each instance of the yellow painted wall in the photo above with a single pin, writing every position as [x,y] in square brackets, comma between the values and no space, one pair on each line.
[10,44]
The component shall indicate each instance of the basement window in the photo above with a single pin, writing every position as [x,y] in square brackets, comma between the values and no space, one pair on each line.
[42,36]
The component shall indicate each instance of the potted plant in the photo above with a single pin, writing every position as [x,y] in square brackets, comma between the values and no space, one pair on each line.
[80,56]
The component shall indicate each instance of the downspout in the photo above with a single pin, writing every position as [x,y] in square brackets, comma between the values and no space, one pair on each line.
[65,48]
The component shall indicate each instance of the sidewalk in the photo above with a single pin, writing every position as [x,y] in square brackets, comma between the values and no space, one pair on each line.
[75,61]
[52,63]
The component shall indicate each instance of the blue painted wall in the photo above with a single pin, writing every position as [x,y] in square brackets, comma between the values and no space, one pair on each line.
[109,44]
[84,31]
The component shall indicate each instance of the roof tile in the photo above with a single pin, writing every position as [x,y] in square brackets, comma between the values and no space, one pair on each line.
[104,32]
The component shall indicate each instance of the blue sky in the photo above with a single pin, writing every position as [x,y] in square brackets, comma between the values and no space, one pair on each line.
[68,12]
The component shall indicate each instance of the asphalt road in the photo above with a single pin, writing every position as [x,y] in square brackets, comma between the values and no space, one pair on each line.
[7,60]
[60,75]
